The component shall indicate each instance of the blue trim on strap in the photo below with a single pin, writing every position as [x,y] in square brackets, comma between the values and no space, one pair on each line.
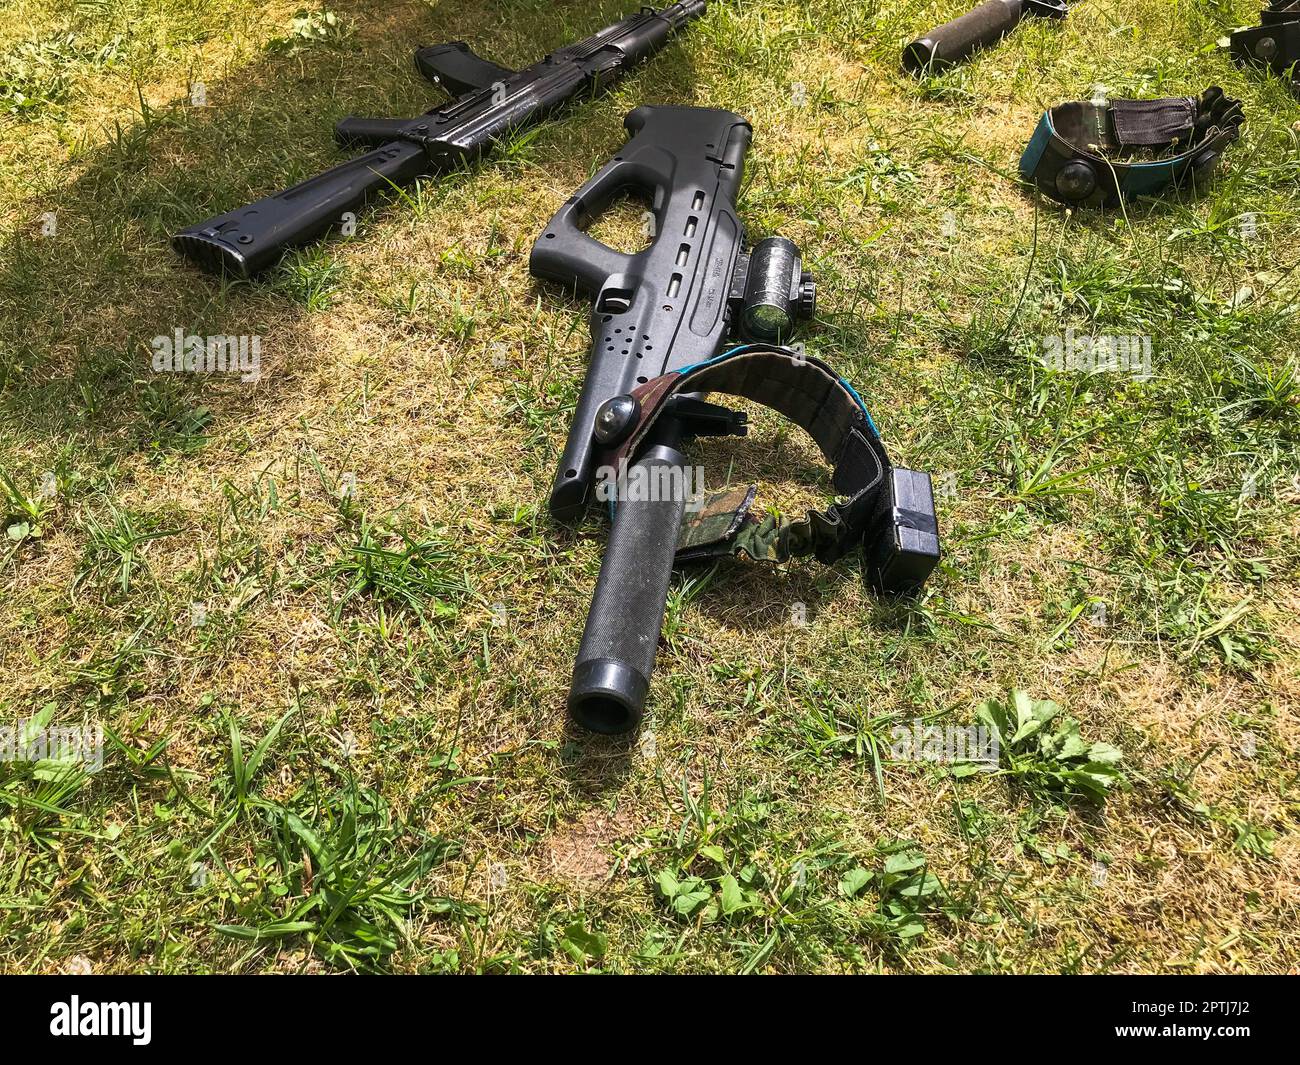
[687,370]
[1141,179]
[1033,154]
[1135,179]
[716,358]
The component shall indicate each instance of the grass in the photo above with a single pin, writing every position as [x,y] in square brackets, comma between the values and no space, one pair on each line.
[326,626]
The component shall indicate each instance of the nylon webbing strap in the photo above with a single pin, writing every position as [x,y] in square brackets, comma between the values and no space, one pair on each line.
[1153,123]
[1094,155]
[807,392]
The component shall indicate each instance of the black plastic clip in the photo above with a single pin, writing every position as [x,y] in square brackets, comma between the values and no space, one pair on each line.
[1274,44]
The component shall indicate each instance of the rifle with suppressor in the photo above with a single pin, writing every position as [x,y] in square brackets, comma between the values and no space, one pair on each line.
[490,103]
[662,327]
[987,24]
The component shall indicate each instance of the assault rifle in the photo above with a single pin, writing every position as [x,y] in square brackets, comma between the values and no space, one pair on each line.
[490,102]
[663,324]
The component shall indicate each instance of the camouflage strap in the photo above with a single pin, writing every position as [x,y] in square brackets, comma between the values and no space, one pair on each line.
[725,525]
[807,392]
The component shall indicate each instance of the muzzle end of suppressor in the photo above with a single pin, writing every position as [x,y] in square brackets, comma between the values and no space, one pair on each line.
[607,696]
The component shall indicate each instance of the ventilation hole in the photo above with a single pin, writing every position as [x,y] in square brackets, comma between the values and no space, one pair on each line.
[691,226]
[674,286]
[698,202]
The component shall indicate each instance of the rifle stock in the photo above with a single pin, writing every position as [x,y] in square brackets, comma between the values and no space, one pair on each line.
[493,103]
[246,241]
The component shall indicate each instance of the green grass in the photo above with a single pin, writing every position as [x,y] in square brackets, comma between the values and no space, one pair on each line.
[326,626]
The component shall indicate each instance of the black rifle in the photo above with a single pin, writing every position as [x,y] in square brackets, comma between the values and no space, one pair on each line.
[490,103]
[954,41]
[668,314]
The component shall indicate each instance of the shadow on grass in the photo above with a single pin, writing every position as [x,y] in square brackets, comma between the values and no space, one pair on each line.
[79,308]
[596,764]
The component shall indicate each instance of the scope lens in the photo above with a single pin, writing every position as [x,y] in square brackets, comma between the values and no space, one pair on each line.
[767,321]
[775,272]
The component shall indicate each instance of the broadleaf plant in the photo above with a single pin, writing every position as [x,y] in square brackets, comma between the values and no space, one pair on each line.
[1042,748]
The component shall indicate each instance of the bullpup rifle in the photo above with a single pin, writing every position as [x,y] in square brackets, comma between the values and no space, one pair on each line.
[668,326]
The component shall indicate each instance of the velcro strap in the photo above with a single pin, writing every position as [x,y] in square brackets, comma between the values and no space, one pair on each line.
[1153,123]
[807,392]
